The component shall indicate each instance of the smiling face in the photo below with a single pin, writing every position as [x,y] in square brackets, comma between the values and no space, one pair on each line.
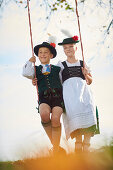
[44,55]
[69,50]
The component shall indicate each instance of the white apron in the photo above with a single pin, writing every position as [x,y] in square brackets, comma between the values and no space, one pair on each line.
[79,104]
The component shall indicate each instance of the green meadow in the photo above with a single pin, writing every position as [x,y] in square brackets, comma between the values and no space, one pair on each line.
[101,159]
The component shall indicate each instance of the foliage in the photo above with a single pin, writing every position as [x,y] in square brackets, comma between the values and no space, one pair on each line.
[96,160]
[55,5]
[100,159]
[62,4]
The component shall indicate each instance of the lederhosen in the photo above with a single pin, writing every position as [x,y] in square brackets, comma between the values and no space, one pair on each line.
[49,87]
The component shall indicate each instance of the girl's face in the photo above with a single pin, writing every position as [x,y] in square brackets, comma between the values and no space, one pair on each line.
[69,50]
[44,55]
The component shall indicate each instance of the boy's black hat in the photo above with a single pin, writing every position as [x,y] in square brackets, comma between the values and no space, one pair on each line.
[51,47]
[72,40]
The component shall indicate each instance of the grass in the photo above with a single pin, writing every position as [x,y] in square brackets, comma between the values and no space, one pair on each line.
[101,159]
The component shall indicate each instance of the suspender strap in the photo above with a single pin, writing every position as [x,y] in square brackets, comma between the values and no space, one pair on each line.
[81,63]
[73,71]
[64,64]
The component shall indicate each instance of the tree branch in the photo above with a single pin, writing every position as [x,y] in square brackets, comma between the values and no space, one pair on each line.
[111,23]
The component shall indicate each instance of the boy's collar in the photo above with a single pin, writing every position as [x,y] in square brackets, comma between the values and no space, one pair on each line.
[41,65]
[44,64]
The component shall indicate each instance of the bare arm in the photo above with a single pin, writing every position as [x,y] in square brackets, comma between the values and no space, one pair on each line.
[87,75]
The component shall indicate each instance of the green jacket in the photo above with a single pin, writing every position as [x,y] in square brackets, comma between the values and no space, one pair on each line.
[50,81]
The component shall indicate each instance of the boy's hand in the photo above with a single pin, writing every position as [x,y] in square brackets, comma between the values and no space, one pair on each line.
[34,81]
[32,59]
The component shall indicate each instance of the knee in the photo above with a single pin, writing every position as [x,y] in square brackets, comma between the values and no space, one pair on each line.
[45,116]
[55,120]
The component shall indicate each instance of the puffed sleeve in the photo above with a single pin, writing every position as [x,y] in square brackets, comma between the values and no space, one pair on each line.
[88,67]
[28,70]
[62,67]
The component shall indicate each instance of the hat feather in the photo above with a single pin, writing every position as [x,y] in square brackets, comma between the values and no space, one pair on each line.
[52,39]
[67,33]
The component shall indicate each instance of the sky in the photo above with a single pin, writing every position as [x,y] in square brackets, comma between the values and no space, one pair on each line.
[21,133]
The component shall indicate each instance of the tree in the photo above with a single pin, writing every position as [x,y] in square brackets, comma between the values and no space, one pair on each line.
[66,5]
[85,8]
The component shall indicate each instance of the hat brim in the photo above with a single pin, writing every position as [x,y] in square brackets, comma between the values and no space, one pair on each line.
[51,48]
[63,43]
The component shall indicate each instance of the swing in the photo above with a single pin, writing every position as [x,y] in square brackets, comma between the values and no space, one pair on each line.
[32,39]
[97,130]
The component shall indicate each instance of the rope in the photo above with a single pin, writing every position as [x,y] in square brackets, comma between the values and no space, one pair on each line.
[32,40]
[80,33]
[32,44]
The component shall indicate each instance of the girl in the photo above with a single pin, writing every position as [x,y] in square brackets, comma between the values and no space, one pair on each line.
[80,117]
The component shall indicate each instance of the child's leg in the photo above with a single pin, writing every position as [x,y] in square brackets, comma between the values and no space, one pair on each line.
[45,119]
[78,143]
[86,142]
[56,126]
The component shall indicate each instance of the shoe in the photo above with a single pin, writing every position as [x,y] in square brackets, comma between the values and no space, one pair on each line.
[62,151]
[57,151]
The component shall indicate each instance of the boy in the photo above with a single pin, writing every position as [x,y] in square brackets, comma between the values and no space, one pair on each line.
[50,91]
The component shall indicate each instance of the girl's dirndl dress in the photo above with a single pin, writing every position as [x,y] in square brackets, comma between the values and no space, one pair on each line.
[80,116]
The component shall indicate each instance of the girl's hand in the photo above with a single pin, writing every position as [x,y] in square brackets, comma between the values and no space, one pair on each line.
[32,59]
[34,81]
[87,75]
[85,71]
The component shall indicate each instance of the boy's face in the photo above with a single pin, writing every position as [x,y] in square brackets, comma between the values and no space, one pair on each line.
[44,55]
[69,49]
